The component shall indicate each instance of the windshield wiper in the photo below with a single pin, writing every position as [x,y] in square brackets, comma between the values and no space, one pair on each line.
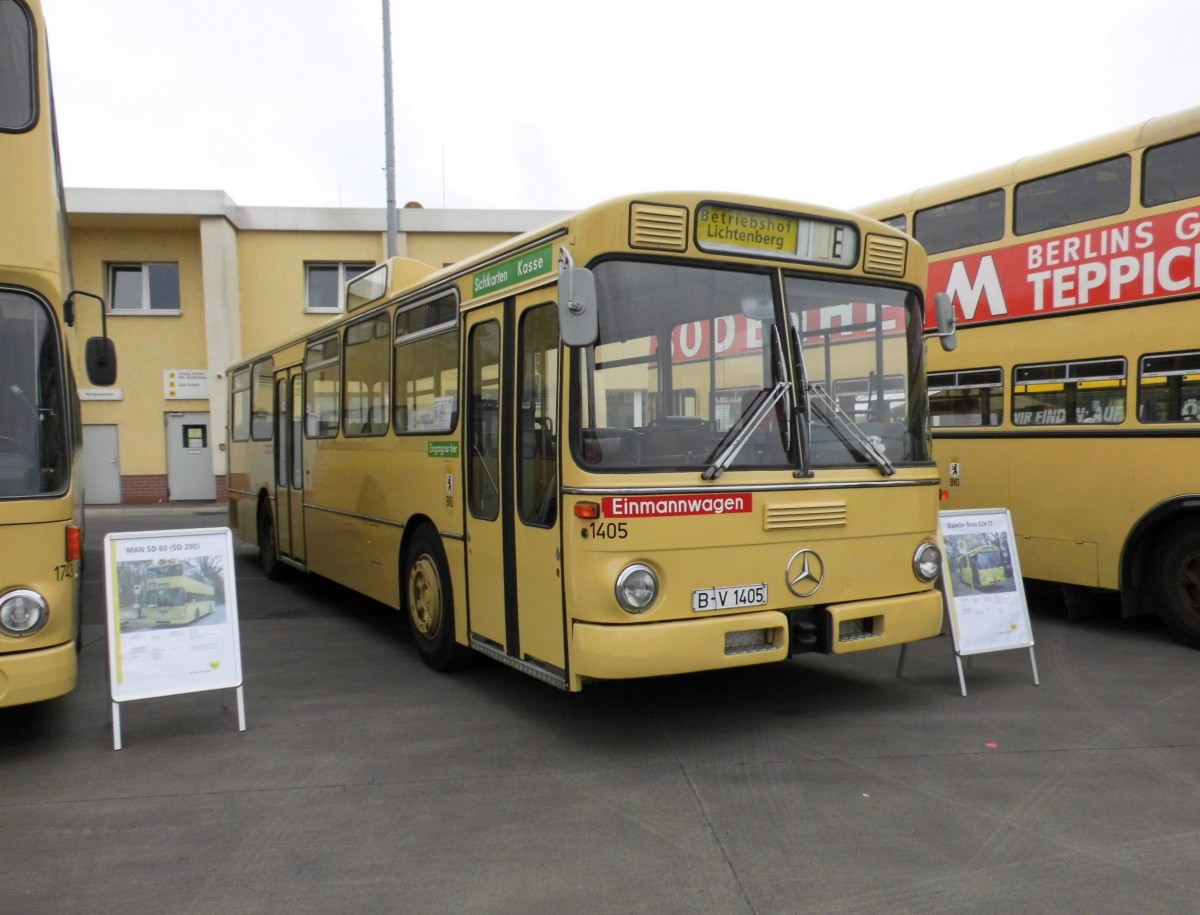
[739,433]
[845,429]
[841,424]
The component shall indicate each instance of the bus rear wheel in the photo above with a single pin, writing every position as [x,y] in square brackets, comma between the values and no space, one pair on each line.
[1179,583]
[429,601]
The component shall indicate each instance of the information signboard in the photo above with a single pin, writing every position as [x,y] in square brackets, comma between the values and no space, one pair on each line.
[172,616]
[981,577]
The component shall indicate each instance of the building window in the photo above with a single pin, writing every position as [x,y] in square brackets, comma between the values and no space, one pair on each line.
[325,284]
[143,289]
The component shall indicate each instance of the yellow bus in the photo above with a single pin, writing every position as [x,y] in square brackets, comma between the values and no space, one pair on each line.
[174,595]
[41,494]
[1075,398]
[671,433]
[982,567]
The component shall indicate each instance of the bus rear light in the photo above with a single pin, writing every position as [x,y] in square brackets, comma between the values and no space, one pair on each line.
[74,542]
[589,511]
[22,612]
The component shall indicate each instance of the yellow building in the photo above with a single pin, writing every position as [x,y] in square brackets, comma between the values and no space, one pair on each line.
[191,282]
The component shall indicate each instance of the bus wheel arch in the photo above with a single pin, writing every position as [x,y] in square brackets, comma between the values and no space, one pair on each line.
[1177,581]
[427,598]
[268,544]
[1141,557]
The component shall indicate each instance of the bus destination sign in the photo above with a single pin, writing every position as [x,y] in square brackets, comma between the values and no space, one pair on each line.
[730,230]
[527,266]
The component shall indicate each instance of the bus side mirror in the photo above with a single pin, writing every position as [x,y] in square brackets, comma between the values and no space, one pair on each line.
[946,322]
[100,357]
[577,318]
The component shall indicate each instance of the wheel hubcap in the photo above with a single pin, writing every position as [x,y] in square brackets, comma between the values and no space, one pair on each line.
[1189,581]
[425,597]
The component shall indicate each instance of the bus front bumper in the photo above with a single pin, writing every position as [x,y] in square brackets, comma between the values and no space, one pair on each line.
[32,676]
[606,652]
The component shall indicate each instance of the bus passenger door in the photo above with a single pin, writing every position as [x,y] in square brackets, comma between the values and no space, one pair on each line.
[537,531]
[289,464]
[515,592]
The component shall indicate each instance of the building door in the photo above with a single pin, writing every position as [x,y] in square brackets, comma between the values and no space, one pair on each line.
[512,488]
[101,466]
[189,458]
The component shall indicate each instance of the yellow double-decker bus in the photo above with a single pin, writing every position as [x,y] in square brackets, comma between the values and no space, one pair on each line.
[671,433]
[41,496]
[173,594]
[1075,399]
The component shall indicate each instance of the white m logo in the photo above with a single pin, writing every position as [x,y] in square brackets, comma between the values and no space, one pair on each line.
[960,287]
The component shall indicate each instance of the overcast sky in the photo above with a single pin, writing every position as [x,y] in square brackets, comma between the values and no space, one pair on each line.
[558,105]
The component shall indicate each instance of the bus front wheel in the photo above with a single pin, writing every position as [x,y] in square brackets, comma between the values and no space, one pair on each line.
[1179,583]
[429,601]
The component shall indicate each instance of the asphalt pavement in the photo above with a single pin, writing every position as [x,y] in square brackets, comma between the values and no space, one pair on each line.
[366,783]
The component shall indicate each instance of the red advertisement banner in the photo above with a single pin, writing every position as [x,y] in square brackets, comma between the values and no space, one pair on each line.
[1142,259]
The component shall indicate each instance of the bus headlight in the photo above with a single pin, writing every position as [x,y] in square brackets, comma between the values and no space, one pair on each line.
[637,587]
[22,612]
[927,562]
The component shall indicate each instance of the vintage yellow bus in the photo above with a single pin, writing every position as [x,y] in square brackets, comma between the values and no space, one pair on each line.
[671,433]
[1075,399]
[982,567]
[41,496]
[174,594]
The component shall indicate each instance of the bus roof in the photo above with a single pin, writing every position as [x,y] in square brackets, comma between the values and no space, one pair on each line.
[1147,133]
[406,276]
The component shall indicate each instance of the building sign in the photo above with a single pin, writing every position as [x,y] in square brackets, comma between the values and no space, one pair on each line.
[185,384]
[527,266]
[1151,258]
[101,394]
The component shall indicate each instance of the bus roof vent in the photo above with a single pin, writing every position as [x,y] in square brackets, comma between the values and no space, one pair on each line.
[885,256]
[662,228]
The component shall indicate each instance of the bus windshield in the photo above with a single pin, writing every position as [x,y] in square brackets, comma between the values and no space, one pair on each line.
[33,433]
[686,353]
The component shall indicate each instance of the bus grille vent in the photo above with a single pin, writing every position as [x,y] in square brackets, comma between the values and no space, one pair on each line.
[885,256]
[659,227]
[808,515]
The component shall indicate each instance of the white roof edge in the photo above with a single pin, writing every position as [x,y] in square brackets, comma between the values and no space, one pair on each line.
[151,202]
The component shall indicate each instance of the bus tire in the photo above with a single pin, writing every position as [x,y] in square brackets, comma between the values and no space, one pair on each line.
[1178,582]
[268,546]
[429,601]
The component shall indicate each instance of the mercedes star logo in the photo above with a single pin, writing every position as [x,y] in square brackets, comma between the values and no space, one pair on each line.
[805,572]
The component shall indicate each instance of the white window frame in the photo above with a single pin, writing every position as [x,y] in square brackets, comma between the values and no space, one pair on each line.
[344,274]
[145,306]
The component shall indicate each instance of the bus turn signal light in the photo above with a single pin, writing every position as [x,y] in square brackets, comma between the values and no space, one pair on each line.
[74,542]
[589,511]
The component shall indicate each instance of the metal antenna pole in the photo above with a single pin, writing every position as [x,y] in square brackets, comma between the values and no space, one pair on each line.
[389,133]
